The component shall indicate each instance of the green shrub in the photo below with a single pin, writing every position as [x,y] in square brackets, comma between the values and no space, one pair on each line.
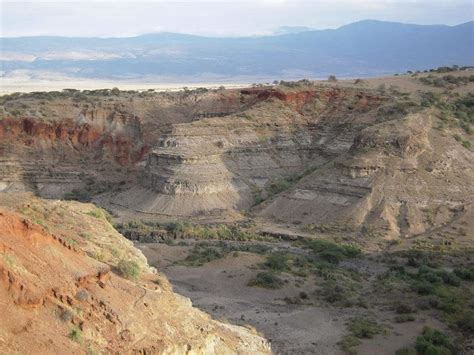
[200,255]
[465,274]
[423,288]
[465,322]
[331,252]
[365,328]
[434,342]
[76,335]
[266,279]
[100,213]
[348,343]
[129,269]
[277,262]
[403,318]
[406,351]
[403,308]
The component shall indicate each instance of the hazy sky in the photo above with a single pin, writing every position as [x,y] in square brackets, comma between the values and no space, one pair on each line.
[215,17]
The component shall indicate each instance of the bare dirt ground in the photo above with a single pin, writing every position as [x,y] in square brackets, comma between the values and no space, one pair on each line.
[220,288]
[308,326]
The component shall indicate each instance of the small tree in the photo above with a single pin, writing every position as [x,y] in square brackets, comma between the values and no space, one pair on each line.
[332,78]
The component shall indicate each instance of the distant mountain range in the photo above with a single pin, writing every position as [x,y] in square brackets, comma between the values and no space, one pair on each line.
[359,49]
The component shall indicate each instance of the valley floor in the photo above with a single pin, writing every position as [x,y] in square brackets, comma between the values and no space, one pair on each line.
[307,314]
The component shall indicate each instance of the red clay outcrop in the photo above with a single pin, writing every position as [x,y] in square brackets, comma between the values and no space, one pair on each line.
[29,132]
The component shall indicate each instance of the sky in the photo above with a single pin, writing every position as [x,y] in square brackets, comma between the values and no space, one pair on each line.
[120,18]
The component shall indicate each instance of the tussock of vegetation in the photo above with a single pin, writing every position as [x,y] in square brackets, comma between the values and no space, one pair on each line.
[266,279]
[433,341]
[278,262]
[100,214]
[362,327]
[200,255]
[220,232]
[403,318]
[331,252]
[447,81]
[129,269]
[205,252]
[457,111]
[294,84]
[76,335]
[465,274]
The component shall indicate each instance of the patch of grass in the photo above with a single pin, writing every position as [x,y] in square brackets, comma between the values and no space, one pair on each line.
[403,308]
[465,321]
[85,235]
[100,213]
[97,255]
[277,262]
[331,252]
[465,273]
[115,252]
[403,318]
[129,269]
[204,252]
[348,343]
[365,328]
[442,290]
[266,279]
[71,241]
[406,351]
[187,230]
[76,335]
[433,342]
[201,255]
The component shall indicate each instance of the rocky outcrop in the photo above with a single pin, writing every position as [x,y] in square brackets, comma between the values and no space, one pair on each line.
[56,298]
[386,182]
[48,139]
[217,166]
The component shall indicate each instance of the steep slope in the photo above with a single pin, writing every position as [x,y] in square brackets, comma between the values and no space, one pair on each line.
[400,178]
[222,165]
[55,298]
[54,143]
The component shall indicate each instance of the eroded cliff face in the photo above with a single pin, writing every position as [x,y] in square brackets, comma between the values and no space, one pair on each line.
[48,139]
[220,165]
[58,296]
[399,178]
[340,155]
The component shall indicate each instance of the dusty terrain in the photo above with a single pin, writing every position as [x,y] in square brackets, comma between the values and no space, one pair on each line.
[333,216]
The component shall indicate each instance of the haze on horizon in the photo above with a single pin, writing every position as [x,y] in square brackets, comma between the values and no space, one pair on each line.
[213,17]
